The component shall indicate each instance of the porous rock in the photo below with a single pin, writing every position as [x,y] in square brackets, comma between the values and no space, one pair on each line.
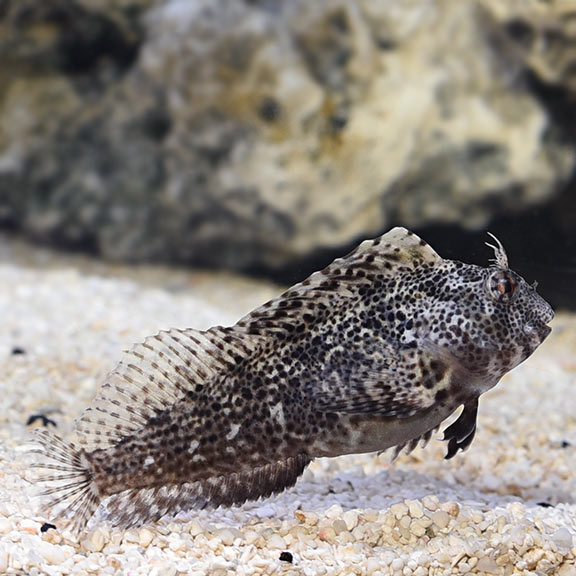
[251,133]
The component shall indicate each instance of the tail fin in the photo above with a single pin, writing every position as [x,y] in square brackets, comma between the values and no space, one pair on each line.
[72,477]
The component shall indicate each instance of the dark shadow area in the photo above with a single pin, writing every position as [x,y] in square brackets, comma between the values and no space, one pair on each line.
[540,242]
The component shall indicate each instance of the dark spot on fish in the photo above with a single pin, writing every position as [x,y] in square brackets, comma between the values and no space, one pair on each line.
[47,526]
[441,395]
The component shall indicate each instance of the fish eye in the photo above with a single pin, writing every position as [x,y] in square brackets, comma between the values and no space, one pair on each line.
[502,286]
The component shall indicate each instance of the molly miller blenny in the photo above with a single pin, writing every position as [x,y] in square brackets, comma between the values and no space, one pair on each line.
[372,352]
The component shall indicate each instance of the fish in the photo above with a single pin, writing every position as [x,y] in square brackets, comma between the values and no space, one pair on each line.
[371,353]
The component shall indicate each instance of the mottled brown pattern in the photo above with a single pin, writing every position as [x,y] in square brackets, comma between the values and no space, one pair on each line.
[371,353]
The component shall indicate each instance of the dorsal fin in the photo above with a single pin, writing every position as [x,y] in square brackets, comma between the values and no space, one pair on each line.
[134,507]
[155,375]
[342,278]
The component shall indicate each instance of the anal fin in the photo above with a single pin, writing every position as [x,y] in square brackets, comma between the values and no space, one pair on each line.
[411,445]
[134,507]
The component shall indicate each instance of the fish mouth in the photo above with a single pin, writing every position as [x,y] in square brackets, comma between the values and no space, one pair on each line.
[537,327]
[547,314]
[538,330]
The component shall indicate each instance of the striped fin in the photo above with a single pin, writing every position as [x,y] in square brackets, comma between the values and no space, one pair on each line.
[155,375]
[134,507]
[343,278]
[68,478]
[410,446]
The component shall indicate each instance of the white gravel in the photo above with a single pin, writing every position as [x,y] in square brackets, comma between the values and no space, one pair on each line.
[480,513]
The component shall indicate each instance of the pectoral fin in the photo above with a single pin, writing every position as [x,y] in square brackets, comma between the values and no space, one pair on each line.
[398,382]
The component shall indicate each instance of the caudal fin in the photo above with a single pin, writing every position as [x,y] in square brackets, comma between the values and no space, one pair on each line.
[69,477]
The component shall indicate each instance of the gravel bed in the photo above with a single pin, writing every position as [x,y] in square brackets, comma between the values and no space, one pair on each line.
[507,506]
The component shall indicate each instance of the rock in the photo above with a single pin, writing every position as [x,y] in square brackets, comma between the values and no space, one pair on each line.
[253,134]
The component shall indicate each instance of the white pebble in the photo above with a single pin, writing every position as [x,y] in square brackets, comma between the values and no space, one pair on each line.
[399,510]
[415,509]
[441,518]
[51,553]
[228,535]
[195,528]
[169,570]
[95,541]
[266,511]
[339,526]
[30,526]
[488,565]
[145,537]
[351,519]
[276,541]
[334,511]
[453,508]
[430,502]
[418,529]
[563,538]
[5,525]
[3,559]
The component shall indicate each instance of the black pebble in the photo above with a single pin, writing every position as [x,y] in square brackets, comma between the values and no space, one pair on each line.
[17,351]
[46,526]
[565,444]
[545,504]
[45,420]
[286,557]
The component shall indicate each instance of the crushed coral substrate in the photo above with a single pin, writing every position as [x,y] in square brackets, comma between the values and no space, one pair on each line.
[506,506]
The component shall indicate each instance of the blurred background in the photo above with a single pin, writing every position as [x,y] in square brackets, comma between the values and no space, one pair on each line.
[268,136]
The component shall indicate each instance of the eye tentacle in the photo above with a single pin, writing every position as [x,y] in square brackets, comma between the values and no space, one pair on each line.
[500,256]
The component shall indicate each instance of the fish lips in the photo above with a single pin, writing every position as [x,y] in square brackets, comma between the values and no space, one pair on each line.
[546,313]
[537,330]
[536,327]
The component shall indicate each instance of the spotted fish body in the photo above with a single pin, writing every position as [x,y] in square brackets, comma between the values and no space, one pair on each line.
[371,353]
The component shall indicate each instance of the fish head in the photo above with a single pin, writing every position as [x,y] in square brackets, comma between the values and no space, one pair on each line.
[518,314]
[488,320]
[518,311]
